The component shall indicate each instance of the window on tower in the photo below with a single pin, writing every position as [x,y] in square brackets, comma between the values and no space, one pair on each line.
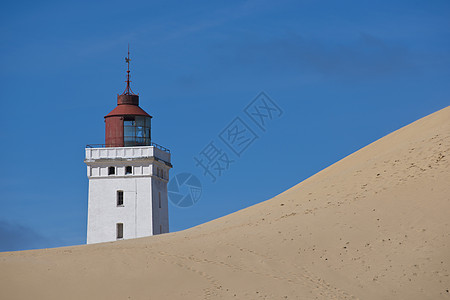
[160,173]
[136,131]
[119,198]
[111,170]
[128,170]
[119,230]
[159,196]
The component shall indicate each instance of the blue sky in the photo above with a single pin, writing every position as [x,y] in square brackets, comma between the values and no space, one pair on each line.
[345,73]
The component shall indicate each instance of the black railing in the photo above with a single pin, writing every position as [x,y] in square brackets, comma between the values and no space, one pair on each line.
[151,144]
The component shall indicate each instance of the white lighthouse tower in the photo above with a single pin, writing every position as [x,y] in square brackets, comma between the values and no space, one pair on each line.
[127,176]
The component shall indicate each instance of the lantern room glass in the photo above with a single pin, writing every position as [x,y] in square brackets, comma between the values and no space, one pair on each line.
[136,131]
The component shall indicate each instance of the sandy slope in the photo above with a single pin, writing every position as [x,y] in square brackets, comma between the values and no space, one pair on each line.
[375,225]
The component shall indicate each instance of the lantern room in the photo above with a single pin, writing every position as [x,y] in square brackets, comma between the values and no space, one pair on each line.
[127,125]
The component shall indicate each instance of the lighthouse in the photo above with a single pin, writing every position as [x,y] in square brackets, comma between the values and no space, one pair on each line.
[127,175]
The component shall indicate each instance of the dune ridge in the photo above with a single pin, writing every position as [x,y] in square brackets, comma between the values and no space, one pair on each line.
[374,225]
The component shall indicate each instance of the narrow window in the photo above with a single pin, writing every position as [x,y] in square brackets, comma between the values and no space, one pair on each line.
[119,198]
[160,228]
[159,196]
[128,170]
[119,230]
[111,170]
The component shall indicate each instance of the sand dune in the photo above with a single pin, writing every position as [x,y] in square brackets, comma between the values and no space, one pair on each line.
[375,225]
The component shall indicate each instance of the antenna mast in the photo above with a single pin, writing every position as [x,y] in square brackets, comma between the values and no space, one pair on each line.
[128,90]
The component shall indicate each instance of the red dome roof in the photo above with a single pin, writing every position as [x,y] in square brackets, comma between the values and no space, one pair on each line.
[127,109]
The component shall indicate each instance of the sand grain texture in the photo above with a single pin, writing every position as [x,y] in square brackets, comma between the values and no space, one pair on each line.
[375,225]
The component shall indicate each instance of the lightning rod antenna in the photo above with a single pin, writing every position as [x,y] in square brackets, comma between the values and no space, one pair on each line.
[128,90]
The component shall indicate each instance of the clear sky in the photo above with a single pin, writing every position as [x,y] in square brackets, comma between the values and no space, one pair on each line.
[344,73]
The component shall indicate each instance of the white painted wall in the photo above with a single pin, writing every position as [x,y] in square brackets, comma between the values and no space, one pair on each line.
[140,214]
